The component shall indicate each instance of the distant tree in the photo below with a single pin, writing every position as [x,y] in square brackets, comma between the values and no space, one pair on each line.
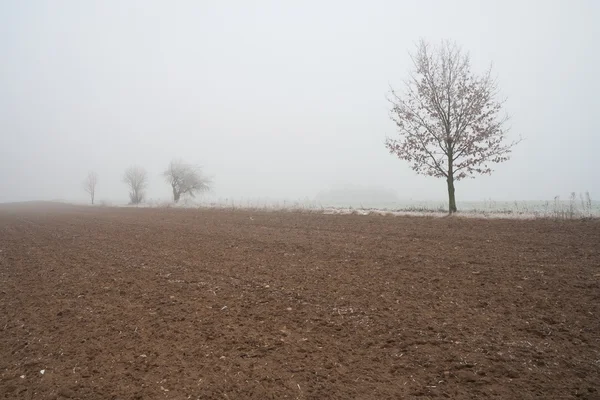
[185,179]
[89,185]
[136,179]
[448,118]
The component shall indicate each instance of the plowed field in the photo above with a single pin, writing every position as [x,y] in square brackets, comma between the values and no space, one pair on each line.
[121,303]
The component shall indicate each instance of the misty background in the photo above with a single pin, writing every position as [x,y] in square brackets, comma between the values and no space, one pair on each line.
[281,99]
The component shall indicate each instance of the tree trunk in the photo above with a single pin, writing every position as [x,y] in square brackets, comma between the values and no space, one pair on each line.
[451,198]
[176,194]
[450,179]
[92,199]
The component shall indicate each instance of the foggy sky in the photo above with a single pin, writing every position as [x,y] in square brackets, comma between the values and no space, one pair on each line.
[281,99]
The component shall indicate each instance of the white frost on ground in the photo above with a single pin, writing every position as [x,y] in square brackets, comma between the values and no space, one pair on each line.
[521,211]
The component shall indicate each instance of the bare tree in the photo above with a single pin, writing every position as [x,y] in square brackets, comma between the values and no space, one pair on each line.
[448,117]
[89,185]
[186,179]
[137,179]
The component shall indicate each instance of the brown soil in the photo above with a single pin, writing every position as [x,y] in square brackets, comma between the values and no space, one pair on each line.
[187,304]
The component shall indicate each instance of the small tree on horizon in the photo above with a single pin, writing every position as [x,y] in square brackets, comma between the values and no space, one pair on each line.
[136,178]
[185,179]
[89,185]
[448,118]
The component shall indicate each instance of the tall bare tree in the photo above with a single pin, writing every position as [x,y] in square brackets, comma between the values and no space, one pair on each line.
[185,179]
[89,184]
[448,117]
[137,179]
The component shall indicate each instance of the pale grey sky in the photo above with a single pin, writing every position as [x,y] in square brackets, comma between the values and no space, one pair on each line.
[280,98]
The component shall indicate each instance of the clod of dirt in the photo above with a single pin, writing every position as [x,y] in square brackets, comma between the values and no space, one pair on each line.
[466,376]
[68,393]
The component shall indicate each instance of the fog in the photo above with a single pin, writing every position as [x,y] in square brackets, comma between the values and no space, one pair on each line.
[281,99]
